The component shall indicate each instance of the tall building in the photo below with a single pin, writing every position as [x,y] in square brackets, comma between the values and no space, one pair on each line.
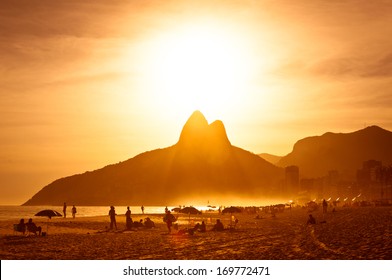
[368,178]
[292,180]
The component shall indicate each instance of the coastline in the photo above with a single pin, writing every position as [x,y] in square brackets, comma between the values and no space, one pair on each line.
[350,233]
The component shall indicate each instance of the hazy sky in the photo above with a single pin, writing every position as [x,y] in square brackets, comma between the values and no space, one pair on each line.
[84,84]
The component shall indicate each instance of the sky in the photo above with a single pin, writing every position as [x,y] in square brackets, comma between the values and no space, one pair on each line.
[88,84]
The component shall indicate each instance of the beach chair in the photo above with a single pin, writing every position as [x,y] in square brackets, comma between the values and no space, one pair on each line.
[32,228]
[233,223]
[17,229]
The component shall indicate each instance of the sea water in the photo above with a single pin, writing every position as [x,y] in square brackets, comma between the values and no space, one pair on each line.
[26,212]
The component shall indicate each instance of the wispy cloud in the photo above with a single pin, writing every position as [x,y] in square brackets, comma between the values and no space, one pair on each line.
[374,66]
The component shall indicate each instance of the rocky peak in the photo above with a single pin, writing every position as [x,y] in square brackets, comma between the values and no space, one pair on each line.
[197,132]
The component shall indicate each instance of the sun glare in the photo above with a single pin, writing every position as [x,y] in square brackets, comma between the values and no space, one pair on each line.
[199,67]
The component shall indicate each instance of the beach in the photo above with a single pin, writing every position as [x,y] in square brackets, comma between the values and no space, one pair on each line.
[363,233]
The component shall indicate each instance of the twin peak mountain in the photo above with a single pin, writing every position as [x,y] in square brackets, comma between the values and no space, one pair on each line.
[201,165]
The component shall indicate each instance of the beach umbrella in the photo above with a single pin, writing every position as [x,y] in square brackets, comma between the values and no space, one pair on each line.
[231,209]
[48,213]
[190,210]
[176,209]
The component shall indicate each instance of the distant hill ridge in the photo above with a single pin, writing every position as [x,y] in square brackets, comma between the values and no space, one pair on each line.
[344,152]
[270,158]
[201,165]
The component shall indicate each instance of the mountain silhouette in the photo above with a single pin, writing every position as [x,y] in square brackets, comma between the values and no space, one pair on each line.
[201,166]
[344,152]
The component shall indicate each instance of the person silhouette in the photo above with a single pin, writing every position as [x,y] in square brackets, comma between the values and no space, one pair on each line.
[73,211]
[202,227]
[128,219]
[65,210]
[148,223]
[31,227]
[21,227]
[142,209]
[112,214]
[325,206]
[169,219]
[218,226]
[311,220]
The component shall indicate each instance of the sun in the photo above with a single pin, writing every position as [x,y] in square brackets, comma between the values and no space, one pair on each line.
[199,67]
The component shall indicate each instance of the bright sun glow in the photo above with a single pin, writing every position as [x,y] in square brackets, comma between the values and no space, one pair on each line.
[199,67]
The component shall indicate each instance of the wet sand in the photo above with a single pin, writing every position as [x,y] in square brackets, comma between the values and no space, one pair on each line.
[349,233]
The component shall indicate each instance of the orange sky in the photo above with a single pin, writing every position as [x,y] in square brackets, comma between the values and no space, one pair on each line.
[86,85]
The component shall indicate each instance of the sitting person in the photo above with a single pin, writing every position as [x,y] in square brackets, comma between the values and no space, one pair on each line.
[21,227]
[31,227]
[185,231]
[311,220]
[148,223]
[202,227]
[218,226]
[138,224]
[129,223]
[196,227]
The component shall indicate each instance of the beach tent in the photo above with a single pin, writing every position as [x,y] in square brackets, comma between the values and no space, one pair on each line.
[231,209]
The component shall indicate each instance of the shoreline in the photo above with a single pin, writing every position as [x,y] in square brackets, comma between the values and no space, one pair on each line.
[349,233]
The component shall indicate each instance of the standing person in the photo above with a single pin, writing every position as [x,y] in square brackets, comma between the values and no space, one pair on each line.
[142,209]
[169,219]
[65,210]
[73,212]
[112,214]
[128,219]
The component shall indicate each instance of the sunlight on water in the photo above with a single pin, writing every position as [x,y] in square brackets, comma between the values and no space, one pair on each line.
[18,212]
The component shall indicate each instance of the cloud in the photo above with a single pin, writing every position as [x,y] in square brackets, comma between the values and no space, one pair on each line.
[371,66]
[381,68]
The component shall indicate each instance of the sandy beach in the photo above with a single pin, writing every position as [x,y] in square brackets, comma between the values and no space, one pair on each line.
[349,233]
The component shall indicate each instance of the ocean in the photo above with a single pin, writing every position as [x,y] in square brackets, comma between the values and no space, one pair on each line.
[26,212]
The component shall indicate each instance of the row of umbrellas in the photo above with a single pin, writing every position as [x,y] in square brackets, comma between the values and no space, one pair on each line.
[187,210]
[194,211]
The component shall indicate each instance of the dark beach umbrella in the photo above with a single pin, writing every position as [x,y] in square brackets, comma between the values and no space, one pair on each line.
[190,210]
[231,209]
[48,213]
[176,209]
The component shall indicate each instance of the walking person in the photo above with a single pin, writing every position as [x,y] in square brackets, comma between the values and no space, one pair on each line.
[112,215]
[169,219]
[142,209]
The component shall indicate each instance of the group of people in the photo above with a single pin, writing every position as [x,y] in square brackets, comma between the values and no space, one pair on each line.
[30,226]
[169,219]
[129,223]
[73,210]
